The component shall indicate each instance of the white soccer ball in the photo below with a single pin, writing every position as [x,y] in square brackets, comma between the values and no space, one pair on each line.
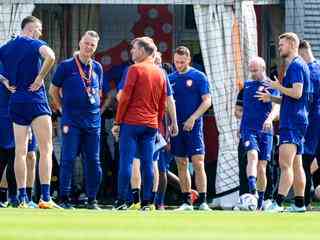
[247,202]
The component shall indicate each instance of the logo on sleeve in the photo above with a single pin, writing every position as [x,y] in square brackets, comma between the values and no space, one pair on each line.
[65,129]
[247,143]
[189,83]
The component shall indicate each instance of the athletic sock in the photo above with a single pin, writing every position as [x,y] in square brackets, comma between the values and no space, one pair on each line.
[299,201]
[280,199]
[22,195]
[136,195]
[187,198]
[45,192]
[160,198]
[29,193]
[3,195]
[260,199]
[202,197]
[153,197]
[252,183]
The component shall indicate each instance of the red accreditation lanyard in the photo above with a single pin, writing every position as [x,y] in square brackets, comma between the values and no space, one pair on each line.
[86,80]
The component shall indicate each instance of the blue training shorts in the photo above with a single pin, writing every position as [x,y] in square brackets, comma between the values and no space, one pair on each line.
[188,143]
[25,113]
[260,141]
[293,136]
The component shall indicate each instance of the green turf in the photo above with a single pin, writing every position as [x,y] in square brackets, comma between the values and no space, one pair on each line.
[83,224]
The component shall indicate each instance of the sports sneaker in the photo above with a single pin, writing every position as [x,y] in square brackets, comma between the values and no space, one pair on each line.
[13,203]
[23,204]
[2,205]
[48,204]
[119,205]
[266,204]
[67,205]
[294,209]
[309,208]
[204,207]
[160,207]
[135,206]
[93,205]
[274,207]
[185,207]
[194,196]
[149,207]
[32,204]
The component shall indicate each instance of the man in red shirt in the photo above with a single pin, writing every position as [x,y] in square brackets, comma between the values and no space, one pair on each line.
[140,110]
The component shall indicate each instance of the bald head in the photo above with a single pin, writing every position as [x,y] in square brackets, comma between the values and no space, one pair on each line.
[257,68]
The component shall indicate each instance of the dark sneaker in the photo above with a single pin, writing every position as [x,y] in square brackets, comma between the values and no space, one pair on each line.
[67,205]
[119,205]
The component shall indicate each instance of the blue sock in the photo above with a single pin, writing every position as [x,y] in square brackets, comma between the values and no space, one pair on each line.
[45,192]
[160,198]
[13,199]
[3,195]
[22,195]
[153,197]
[252,182]
[260,199]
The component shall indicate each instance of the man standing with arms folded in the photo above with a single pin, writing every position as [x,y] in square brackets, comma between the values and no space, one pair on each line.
[80,80]
[140,111]
[191,92]
[22,61]
[293,122]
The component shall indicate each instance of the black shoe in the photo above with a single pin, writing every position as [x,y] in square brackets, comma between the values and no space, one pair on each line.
[67,205]
[93,205]
[13,204]
[119,205]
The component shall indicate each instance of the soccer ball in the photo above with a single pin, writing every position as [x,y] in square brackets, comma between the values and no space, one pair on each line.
[247,202]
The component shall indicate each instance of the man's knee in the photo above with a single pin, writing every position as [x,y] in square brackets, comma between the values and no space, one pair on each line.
[198,165]
[262,167]
[182,164]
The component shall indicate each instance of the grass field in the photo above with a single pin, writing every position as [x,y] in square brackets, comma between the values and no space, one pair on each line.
[83,224]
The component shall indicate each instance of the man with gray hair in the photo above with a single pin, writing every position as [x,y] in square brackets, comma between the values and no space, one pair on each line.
[256,129]
[79,79]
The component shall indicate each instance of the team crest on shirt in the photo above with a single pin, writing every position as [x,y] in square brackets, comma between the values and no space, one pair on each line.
[189,83]
[261,88]
[247,143]
[65,129]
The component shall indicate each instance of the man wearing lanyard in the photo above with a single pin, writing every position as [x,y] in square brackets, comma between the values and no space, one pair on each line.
[141,109]
[28,105]
[79,79]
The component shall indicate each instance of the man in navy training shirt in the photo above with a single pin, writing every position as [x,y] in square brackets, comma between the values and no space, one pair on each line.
[191,92]
[313,131]
[256,129]
[22,61]
[80,80]
[293,122]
